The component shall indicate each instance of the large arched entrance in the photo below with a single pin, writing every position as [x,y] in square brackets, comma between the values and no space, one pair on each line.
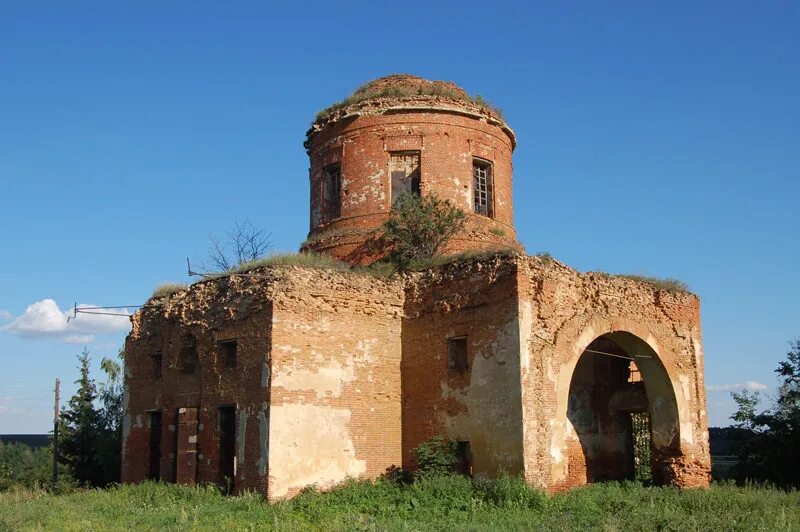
[622,411]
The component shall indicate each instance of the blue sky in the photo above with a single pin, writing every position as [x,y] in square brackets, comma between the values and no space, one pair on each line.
[662,140]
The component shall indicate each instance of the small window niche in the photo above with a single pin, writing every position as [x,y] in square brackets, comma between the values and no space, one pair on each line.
[405,173]
[457,353]
[188,360]
[483,187]
[227,354]
[332,191]
[156,361]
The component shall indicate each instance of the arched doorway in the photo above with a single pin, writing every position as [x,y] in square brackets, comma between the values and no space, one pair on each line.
[622,412]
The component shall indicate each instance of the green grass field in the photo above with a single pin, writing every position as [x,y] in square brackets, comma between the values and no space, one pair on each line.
[434,504]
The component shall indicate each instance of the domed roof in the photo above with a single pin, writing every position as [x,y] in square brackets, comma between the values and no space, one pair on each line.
[405,91]
[400,85]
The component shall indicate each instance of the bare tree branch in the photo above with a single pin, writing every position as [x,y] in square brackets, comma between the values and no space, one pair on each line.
[242,243]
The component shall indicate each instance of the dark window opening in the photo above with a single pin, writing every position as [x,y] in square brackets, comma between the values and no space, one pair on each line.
[457,353]
[227,446]
[464,458]
[227,353]
[156,362]
[188,360]
[405,174]
[154,471]
[640,434]
[332,189]
[483,187]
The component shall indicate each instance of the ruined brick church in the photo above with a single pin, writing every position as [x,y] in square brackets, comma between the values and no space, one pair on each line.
[288,376]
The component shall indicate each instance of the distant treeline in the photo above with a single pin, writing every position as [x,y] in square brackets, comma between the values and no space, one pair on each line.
[34,441]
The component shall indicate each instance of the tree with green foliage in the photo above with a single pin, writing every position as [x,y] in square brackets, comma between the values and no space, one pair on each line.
[772,451]
[419,228]
[28,467]
[109,446]
[81,429]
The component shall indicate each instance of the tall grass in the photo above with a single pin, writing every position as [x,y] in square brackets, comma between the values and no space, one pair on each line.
[436,503]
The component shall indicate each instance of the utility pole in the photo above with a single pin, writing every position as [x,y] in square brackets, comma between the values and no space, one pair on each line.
[55,435]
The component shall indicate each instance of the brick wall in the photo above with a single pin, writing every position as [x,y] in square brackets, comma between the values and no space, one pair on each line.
[335,379]
[446,142]
[208,313]
[482,405]
[561,313]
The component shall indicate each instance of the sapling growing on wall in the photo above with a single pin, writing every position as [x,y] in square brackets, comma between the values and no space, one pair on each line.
[419,228]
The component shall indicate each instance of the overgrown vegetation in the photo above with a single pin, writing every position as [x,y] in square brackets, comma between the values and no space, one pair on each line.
[168,289]
[671,285]
[24,467]
[437,503]
[769,446]
[90,431]
[419,228]
[434,90]
[306,259]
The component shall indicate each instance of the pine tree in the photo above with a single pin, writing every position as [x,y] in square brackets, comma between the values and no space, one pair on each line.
[82,427]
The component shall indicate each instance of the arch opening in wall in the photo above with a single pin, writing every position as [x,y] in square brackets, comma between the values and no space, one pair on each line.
[622,412]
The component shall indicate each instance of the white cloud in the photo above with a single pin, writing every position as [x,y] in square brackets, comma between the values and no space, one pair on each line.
[44,319]
[78,338]
[751,386]
[5,315]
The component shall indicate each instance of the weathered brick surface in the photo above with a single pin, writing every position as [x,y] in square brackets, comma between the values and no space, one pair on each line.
[335,380]
[481,405]
[561,313]
[447,133]
[340,374]
[210,312]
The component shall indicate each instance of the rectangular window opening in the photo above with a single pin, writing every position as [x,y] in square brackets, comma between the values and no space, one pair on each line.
[464,458]
[405,173]
[154,470]
[227,354]
[457,353]
[156,361]
[332,190]
[483,187]
[227,447]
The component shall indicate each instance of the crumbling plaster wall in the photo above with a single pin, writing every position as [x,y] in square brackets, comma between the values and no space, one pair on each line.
[482,405]
[335,379]
[209,312]
[561,313]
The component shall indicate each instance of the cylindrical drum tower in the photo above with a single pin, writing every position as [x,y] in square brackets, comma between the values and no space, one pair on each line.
[404,134]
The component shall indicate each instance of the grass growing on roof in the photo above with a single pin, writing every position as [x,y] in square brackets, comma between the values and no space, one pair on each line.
[308,259]
[668,284]
[168,289]
[406,92]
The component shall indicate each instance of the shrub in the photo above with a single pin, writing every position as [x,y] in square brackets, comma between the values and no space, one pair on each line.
[420,227]
[435,457]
